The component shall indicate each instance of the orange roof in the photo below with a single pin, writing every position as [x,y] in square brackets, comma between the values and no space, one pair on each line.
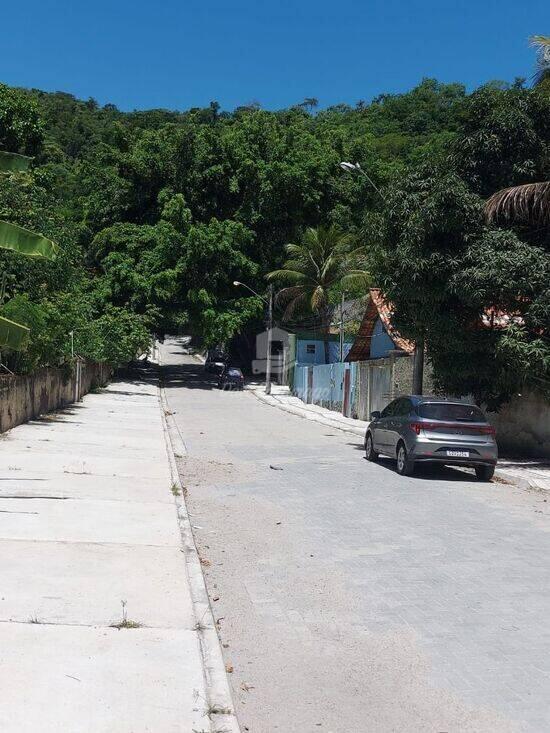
[377,307]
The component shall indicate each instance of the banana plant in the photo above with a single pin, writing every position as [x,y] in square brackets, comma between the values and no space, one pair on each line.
[15,336]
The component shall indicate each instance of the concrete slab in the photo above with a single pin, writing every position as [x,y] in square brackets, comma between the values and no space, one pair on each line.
[118,464]
[86,486]
[89,445]
[78,583]
[89,521]
[97,680]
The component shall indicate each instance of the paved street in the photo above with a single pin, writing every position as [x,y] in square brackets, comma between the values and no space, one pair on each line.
[351,599]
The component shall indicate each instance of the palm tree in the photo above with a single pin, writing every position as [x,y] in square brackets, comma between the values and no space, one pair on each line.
[530,202]
[542,72]
[13,335]
[325,259]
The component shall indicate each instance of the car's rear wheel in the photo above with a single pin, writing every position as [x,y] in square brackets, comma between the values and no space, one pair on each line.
[405,466]
[485,473]
[370,453]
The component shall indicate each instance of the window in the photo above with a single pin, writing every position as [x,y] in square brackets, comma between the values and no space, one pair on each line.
[310,348]
[450,411]
[403,407]
[390,409]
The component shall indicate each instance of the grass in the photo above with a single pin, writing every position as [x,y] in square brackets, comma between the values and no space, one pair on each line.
[175,490]
[214,709]
[125,622]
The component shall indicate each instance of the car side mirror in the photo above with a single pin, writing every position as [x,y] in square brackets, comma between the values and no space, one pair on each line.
[375,415]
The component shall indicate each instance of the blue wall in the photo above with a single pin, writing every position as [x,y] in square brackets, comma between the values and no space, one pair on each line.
[380,343]
[302,357]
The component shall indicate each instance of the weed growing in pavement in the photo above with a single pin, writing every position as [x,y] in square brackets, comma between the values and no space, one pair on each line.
[175,490]
[34,620]
[125,623]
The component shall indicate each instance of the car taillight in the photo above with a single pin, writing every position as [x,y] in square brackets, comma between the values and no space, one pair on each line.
[487,430]
[417,427]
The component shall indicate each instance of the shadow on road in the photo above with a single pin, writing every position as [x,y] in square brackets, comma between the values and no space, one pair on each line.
[190,376]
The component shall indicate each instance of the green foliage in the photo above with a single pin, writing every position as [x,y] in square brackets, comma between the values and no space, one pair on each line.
[156,213]
[477,296]
[21,129]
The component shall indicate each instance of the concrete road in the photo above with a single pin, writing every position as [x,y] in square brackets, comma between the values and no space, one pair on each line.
[351,599]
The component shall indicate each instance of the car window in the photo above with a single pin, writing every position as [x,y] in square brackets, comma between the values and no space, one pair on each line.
[389,409]
[450,411]
[403,407]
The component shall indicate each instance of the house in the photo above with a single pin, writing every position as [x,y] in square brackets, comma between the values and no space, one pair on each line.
[376,338]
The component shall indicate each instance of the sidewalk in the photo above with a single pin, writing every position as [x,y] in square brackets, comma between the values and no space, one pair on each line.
[525,473]
[98,609]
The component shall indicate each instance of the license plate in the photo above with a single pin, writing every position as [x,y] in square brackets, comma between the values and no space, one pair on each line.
[458,453]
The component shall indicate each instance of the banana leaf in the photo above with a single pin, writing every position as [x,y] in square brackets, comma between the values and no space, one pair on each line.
[13,335]
[10,162]
[25,242]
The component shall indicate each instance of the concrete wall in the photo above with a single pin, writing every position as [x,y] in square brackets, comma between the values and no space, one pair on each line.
[23,398]
[523,426]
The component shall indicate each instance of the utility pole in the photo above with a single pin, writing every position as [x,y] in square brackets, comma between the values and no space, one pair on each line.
[342,328]
[269,302]
[269,339]
[418,367]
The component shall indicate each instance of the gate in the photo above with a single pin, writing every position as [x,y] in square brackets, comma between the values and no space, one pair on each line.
[380,378]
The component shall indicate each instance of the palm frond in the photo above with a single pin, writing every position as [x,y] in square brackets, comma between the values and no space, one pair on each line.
[10,162]
[290,276]
[25,242]
[319,298]
[13,336]
[542,44]
[529,203]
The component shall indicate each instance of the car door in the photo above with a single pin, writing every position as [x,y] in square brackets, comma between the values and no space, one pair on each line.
[381,437]
[399,419]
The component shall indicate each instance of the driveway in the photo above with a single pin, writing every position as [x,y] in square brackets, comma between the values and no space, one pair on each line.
[350,598]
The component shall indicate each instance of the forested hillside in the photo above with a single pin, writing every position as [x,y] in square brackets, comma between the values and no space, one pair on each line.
[158,212]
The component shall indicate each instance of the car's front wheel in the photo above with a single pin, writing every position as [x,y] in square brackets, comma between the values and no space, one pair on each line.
[405,467]
[370,453]
[485,473]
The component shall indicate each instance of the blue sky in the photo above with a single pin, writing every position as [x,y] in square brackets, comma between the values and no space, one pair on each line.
[183,53]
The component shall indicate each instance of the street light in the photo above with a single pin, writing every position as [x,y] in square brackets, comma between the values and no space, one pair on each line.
[418,364]
[356,168]
[269,302]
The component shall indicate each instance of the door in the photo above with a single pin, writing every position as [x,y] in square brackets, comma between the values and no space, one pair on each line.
[397,422]
[382,430]
[347,388]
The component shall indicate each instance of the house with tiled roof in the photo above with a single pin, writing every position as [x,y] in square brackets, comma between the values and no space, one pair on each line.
[376,337]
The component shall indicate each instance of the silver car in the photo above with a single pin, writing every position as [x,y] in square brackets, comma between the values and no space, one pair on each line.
[416,430]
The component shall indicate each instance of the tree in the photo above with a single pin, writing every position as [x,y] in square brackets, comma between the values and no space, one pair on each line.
[13,237]
[323,261]
[528,203]
[542,44]
[474,295]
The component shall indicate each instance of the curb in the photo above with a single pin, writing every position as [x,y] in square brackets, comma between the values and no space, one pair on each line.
[307,415]
[519,481]
[217,686]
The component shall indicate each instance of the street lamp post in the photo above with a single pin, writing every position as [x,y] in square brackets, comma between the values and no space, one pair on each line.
[418,368]
[269,302]
[356,168]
